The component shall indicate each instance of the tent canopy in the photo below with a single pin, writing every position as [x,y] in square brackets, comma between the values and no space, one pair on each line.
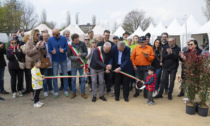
[149,29]
[192,25]
[41,27]
[77,27]
[119,32]
[159,29]
[98,30]
[174,28]
[203,29]
[73,30]
[138,32]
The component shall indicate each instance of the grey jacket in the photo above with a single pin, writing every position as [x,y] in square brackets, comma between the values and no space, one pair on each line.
[75,63]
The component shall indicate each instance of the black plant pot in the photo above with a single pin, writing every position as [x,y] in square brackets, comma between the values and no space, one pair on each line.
[196,106]
[190,110]
[203,111]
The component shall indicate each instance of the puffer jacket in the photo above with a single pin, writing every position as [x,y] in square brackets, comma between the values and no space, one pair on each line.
[32,53]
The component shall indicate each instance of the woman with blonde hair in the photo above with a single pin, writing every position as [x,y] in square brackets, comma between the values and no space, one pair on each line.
[35,49]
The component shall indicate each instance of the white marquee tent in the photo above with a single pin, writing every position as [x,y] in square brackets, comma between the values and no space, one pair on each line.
[73,30]
[77,27]
[4,38]
[174,28]
[119,32]
[98,30]
[159,29]
[138,32]
[149,29]
[41,27]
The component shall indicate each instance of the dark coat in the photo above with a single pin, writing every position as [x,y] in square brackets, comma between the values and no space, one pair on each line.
[2,53]
[126,64]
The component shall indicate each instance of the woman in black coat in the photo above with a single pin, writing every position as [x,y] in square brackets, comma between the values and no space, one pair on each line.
[14,55]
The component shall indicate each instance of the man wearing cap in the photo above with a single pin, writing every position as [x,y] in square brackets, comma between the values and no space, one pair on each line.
[125,36]
[115,39]
[141,57]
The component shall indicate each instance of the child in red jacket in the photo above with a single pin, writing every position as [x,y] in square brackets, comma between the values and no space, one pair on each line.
[150,85]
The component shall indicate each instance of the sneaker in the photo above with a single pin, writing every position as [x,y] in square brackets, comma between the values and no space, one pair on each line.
[45,94]
[94,99]
[181,94]
[40,103]
[169,97]
[154,93]
[147,102]
[56,95]
[20,93]
[14,95]
[2,99]
[66,94]
[52,92]
[158,96]
[37,105]
[136,95]
[151,103]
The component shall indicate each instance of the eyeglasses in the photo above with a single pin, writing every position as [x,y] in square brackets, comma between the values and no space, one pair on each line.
[190,44]
[93,42]
[87,39]
[57,35]
[13,43]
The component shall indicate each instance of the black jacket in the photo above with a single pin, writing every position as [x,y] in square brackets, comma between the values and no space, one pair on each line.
[96,63]
[158,59]
[2,60]
[13,63]
[171,61]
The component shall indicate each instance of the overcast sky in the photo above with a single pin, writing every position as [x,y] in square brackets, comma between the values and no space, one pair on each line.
[109,11]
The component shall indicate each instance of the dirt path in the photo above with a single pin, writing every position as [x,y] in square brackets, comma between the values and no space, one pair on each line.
[79,112]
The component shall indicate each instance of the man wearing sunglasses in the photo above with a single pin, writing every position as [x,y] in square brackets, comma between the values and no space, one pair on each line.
[57,46]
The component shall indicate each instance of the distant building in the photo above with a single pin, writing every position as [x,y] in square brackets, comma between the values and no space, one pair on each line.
[87,27]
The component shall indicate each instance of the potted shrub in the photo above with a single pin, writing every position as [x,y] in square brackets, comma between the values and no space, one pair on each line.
[204,84]
[191,82]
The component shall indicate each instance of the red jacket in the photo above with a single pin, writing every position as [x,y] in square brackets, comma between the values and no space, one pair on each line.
[151,86]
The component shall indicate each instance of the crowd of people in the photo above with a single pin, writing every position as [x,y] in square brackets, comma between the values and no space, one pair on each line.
[100,62]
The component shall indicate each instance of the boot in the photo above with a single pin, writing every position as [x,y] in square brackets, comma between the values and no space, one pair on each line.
[73,95]
[181,93]
[84,95]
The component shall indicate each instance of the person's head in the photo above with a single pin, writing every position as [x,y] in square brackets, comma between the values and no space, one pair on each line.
[25,38]
[188,41]
[99,38]
[35,35]
[106,35]
[157,45]
[91,34]
[87,40]
[142,41]
[56,33]
[93,43]
[44,31]
[129,40]
[36,63]
[75,38]
[22,32]
[66,33]
[136,39]
[164,37]
[115,39]
[151,70]
[13,34]
[13,43]
[171,42]
[121,46]
[107,47]
[148,35]
[125,35]
[193,44]
[46,37]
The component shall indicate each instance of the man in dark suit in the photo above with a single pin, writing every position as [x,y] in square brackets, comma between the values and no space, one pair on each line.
[120,61]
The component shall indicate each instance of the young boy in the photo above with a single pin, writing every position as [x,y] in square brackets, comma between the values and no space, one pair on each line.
[150,85]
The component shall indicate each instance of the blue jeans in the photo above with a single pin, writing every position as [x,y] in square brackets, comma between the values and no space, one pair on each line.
[47,82]
[158,74]
[63,65]
[73,80]
[2,78]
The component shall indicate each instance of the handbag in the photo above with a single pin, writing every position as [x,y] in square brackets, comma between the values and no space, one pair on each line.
[45,62]
[21,64]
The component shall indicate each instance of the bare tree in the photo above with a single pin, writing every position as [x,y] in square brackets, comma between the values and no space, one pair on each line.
[51,24]
[68,18]
[29,16]
[115,26]
[44,17]
[206,9]
[94,20]
[77,17]
[134,19]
